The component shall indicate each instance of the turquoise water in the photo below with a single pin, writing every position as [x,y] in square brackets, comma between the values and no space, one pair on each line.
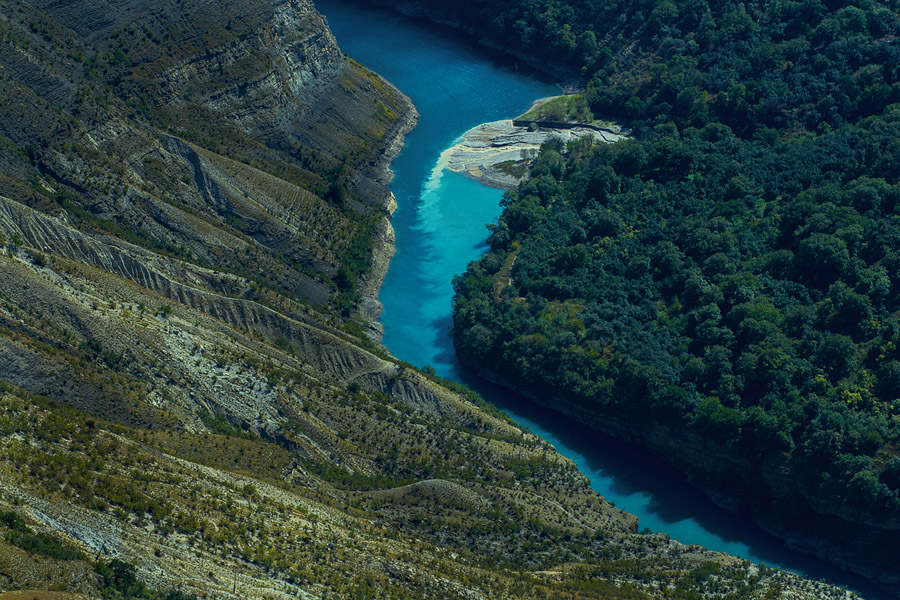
[441,216]
[440,226]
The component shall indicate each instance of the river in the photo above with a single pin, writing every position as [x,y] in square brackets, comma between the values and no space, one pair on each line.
[440,225]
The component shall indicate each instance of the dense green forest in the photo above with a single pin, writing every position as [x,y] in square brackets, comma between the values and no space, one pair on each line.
[733,270]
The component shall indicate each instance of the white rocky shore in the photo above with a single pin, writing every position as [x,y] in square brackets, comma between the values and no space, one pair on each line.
[482,148]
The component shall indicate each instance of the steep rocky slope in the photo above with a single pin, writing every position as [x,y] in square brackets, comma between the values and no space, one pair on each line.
[210,439]
[210,133]
[192,209]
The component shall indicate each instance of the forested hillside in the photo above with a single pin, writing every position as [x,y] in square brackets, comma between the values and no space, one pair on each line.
[730,275]
[795,66]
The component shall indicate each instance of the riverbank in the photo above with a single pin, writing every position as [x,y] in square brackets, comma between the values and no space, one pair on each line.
[383,246]
[498,153]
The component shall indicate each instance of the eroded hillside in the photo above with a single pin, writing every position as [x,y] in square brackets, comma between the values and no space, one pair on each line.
[231,134]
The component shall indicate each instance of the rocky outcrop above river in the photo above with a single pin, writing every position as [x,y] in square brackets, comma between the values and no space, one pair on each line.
[498,154]
[226,159]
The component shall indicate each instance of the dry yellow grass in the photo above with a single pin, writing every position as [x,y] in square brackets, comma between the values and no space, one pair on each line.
[40,595]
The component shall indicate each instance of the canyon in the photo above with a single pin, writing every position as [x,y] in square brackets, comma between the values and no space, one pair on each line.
[195,220]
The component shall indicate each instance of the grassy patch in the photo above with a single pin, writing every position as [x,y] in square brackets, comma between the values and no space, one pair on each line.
[567,109]
[513,168]
[239,454]
[22,536]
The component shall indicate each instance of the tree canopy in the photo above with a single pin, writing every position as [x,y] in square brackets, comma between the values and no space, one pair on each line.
[733,270]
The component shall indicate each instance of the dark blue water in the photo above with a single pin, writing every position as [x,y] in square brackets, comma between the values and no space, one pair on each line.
[440,226]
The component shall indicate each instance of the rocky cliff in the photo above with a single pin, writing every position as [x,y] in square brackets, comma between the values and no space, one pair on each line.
[167,122]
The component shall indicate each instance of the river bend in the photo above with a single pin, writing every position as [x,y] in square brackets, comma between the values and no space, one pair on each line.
[440,226]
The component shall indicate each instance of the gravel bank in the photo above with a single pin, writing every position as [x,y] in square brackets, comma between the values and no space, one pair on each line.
[481,149]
